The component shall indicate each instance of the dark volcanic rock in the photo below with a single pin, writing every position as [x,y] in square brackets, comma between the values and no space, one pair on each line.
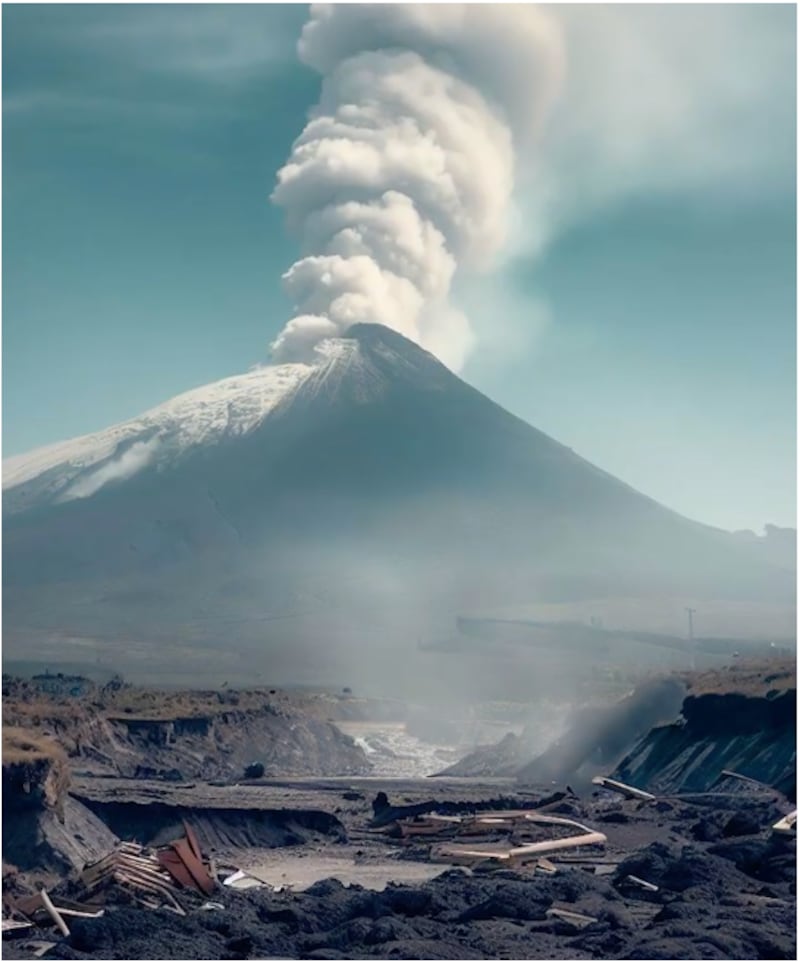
[741,823]
[767,859]
[711,906]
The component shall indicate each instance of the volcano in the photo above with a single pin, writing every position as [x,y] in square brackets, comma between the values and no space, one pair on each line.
[356,500]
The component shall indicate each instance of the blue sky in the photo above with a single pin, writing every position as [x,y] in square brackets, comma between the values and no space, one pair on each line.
[654,333]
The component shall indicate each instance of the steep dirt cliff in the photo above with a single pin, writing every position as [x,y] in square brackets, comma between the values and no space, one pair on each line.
[225,743]
[753,735]
[129,731]
[44,829]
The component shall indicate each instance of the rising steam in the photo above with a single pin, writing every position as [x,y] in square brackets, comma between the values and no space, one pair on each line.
[404,173]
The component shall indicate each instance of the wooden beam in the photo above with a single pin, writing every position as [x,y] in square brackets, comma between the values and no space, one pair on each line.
[577,918]
[53,913]
[622,789]
[519,854]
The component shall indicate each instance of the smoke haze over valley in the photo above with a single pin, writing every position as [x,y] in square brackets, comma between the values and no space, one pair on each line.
[318,520]
[351,499]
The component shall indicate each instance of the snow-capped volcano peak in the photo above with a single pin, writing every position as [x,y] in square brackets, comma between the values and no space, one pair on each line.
[204,415]
[357,367]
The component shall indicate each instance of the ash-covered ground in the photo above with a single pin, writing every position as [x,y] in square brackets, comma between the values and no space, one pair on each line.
[726,883]
[344,883]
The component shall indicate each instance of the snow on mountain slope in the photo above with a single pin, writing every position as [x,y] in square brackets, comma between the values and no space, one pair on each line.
[80,466]
[358,368]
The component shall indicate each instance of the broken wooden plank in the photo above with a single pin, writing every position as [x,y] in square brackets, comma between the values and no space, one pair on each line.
[462,853]
[51,910]
[74,913]
[139,865]
[148,903]
[33,907]
[113,860]
[641,883]
[28,905]
[98,868]
[39,947]
[539,818]
[185,867]
[622,789]
[132,847]
[556,845]
[162,882]
[62,904]
[568,915]
[488,824]
[13,929]
[149,885]
[786,825]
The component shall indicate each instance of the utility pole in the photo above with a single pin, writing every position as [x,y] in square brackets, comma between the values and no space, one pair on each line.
[690,612]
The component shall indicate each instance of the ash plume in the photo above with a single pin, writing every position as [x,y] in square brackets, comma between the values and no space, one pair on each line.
[404,173]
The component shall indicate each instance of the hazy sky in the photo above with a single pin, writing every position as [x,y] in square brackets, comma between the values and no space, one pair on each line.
[644,313]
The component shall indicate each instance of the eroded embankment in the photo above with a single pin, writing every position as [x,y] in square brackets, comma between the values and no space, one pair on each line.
[218,828]
[213,734]
[224,743]
[35,783]
[57,727]
[753,735]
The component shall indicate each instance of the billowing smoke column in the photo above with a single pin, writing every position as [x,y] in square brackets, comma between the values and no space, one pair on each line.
[405,171]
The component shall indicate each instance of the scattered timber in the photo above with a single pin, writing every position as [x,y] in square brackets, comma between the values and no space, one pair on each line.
[463,854]
[54,914]
[641,883]
[567,915]
[622,789]
[786,825]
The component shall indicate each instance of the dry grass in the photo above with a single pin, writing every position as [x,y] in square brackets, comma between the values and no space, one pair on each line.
[143,703]
[27,705]
[32,713]
[23,746]
[34,765]
[754,677]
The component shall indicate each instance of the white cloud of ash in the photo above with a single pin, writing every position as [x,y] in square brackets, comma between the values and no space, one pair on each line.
[663,100]
[130,462]
[405,171]
[449,136]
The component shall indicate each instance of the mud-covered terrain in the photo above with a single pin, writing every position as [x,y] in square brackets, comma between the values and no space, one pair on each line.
[726,890]
[696,870]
